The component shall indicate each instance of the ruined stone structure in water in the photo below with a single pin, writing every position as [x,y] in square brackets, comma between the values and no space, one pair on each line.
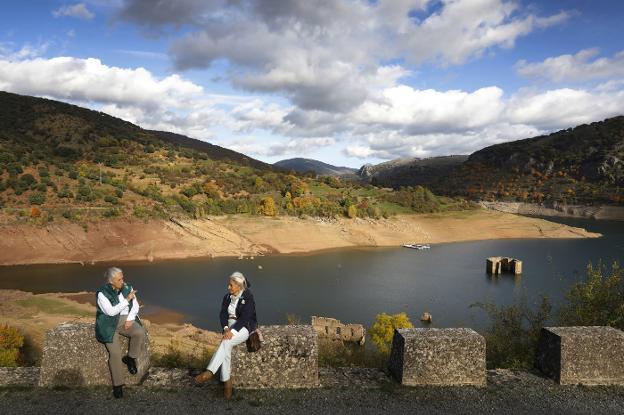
[498,264]
[330,328]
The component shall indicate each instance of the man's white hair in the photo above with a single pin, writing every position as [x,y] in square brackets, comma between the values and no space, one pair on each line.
[240,279]
[111,272]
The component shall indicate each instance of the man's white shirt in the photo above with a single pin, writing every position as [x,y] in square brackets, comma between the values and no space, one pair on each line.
[121,308]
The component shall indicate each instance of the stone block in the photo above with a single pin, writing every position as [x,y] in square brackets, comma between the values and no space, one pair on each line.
[73,357]
[427,356]
[288,358]
[590,355]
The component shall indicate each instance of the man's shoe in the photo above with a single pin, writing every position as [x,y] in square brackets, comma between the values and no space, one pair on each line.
[131,363]
[203,377]
[118,391]
[227,389]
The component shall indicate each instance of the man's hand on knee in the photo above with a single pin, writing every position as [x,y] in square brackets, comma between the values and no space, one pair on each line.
[128,324]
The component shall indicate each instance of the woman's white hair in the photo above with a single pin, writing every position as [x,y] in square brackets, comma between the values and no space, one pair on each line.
[239,279]
[111,272]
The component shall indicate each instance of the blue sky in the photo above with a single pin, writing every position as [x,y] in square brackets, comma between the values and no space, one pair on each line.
[347,82]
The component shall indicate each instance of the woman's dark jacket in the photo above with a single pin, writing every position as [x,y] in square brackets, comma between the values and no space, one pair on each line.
[245,312]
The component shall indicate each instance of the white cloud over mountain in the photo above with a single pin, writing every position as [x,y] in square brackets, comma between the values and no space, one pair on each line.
[396,120]
[329,74]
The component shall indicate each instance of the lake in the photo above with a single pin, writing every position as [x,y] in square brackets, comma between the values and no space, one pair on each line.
[353,285]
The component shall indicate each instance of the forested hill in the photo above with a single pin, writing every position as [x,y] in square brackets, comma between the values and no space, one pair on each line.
[581,165]
[72,131]
[62,161]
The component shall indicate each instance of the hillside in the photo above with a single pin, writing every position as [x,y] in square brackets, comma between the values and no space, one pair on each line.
[410,172]
[63,162]
[581,165]
[303,165]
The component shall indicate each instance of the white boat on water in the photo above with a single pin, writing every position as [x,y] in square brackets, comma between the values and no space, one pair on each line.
[416,246]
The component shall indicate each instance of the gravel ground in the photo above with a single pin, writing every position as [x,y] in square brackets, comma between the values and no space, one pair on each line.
[507,392]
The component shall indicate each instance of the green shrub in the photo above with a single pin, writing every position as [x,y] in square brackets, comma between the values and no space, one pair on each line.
[26,180]
[111,199]
[111,213]
[141,212]
[65,193]
[596,301]
[37,198]
[513,335]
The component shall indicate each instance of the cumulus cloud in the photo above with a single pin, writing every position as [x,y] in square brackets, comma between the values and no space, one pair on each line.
[457,122]
[171,103]
[583,66]
[79,11]
[313,54]
[89,80]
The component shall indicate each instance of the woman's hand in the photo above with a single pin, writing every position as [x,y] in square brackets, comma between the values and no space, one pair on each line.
[227,334]
[131,295]
[128,324]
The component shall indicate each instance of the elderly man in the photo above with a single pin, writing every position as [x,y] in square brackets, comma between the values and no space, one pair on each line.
[117,314]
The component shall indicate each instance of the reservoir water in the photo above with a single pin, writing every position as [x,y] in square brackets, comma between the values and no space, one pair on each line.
[353,285]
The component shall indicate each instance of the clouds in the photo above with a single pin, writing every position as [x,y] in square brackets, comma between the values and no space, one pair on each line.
[325,55]
[170,103]
[88,80]
[79,11]
[574,68]
[340,77]
[395,121]
[466,29]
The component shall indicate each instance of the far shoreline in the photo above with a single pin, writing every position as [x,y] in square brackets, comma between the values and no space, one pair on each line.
[244,237]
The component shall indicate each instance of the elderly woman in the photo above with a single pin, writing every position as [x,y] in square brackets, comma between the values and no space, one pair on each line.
[238,319]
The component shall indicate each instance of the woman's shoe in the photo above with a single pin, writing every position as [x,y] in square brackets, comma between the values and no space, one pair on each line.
[227,389]
[203,377]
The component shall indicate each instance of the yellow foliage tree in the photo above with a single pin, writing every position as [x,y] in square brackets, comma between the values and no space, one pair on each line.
[267,207]
[35,212]
[211,189]
[382,330]
[351,211]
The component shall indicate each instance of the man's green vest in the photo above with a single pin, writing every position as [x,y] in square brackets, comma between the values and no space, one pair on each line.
[105,326]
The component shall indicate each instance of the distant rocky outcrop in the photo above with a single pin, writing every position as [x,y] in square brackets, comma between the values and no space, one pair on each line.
[303,165]
[411,171]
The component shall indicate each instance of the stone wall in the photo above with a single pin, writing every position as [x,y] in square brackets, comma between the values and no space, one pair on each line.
[331,328]
[425,356]
[19,376]
[73,357]
[288,358]
[582,355]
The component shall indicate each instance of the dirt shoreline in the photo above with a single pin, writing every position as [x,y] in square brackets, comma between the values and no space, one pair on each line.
[246,236]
